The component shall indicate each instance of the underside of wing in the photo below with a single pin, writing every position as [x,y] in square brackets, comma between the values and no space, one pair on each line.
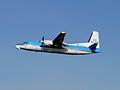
[58,41]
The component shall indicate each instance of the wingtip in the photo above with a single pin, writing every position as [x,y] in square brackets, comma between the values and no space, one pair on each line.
[63,32]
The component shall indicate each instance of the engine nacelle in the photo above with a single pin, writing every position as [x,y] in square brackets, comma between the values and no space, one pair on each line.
[48,42]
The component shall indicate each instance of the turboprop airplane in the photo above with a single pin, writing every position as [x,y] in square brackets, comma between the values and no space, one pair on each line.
[58,46]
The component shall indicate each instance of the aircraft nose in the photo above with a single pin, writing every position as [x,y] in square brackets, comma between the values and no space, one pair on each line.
[18,46]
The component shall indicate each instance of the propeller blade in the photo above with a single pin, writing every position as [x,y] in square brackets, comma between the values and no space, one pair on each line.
[43,38]
[42,41]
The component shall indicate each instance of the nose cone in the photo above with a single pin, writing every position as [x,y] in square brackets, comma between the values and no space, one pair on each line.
[18,46]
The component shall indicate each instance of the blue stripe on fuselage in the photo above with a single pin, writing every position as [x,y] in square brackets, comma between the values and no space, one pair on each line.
[82,48]
[77,47]
[35,43]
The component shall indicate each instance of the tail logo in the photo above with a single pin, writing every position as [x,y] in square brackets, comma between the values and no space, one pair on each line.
[94,40]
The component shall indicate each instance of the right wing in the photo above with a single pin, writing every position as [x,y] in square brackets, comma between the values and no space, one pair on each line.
[58,41]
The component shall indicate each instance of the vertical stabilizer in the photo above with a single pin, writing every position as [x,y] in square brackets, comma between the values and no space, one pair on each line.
[94,39]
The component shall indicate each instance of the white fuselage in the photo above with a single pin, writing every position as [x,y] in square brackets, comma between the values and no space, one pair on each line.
[63,50]
[58,46]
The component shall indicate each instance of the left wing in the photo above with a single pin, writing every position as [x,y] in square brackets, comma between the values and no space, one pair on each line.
[58,41]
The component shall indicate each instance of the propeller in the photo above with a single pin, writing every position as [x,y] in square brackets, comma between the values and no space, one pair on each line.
[42,41]
[43,38]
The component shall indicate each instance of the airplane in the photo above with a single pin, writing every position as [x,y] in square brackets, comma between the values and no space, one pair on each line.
[58,46]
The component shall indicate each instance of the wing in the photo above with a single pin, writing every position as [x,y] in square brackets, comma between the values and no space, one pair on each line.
[58,41]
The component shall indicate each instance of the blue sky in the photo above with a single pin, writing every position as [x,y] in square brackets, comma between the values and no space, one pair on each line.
[29,20]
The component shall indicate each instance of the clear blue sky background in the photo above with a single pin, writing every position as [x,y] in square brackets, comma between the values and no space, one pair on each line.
[29,20]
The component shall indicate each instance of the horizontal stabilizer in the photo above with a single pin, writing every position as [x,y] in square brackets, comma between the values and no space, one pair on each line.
[93,47]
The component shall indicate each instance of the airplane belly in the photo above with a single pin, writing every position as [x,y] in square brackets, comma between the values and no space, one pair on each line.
[72,51]
[32,48]
[77,52]
[53,50]
[64,51]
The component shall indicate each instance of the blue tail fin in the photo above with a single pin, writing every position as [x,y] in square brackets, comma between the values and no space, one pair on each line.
[94,40]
